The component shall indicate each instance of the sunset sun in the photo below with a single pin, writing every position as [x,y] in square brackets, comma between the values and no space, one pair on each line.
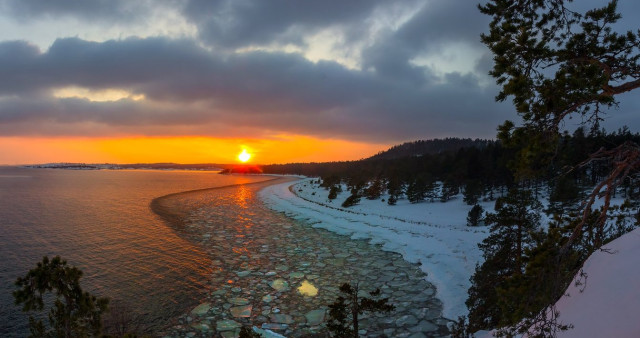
[244,156]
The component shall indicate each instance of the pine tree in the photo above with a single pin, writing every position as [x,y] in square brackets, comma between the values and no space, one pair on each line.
[431,190]
[75,313]
[333,192]
[513,226]
[528,298]
[592,64]
[564,195]
[417,190]
[472,192]
[247,332]
[344,312]
[374,190]
[449,189]
[475,216]
[352,200]
[330,181]
[394,189]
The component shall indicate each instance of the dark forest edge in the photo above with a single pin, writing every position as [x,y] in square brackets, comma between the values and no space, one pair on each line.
[478,165]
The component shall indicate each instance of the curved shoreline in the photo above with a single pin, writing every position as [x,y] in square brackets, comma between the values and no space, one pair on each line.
[445,248]
[260,257]
[175,218]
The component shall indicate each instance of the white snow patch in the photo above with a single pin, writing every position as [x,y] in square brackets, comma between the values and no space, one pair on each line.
[610,302]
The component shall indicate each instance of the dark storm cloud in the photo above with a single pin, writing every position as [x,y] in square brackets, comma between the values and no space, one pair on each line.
[435,25]
[236,24]
[442,22]
[91,10]
[72,61]
[201,87]
[188,85]
[19,67]
[232,23]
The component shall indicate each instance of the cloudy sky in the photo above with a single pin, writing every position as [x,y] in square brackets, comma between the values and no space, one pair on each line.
[290,80]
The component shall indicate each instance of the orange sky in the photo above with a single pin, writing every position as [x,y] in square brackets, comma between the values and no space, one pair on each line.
[281,149]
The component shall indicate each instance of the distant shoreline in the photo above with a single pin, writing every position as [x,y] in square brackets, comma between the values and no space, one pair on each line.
[136,166]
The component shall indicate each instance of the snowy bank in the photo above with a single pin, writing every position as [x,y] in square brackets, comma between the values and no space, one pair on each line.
[431,233]
[610,302]
[607,302]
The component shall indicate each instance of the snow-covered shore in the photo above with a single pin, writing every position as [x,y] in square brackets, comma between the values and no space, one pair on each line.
[431,233]
[435,234]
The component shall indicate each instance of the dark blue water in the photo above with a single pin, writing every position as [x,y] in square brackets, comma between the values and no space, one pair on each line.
[100,222]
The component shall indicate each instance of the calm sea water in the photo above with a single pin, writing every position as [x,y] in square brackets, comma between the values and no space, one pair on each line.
[101,222]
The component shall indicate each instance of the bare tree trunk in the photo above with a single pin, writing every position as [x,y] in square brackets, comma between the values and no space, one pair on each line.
[354,310]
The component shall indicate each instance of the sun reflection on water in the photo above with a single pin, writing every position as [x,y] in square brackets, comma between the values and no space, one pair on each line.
[241,196]
[307,289]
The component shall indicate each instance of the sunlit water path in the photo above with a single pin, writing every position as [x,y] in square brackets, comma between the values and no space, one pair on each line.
[273,272]
[101,222]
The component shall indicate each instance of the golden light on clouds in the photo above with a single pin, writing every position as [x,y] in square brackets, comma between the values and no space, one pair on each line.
[280,149]
[105,95]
